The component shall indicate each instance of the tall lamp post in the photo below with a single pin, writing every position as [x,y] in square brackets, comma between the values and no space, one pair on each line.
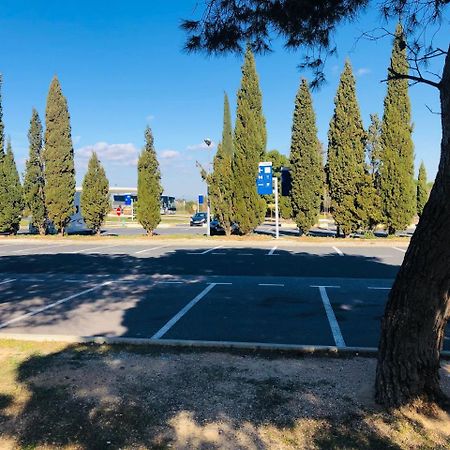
[208,143]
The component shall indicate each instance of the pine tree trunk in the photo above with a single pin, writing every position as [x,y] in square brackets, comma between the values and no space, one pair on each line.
[418,308]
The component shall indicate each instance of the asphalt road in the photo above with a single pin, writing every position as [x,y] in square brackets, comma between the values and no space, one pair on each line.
[267,292]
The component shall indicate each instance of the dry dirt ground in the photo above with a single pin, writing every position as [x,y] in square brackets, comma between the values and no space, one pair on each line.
[99,397]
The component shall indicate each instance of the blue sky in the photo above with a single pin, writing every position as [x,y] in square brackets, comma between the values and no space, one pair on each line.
[121,67]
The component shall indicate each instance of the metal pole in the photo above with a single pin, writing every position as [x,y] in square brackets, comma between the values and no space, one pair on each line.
[277,218]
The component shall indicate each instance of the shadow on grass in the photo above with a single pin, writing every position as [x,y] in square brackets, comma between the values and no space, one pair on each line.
[98,398]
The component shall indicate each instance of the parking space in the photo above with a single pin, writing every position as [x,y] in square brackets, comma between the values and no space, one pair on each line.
[246,311]
[281,293]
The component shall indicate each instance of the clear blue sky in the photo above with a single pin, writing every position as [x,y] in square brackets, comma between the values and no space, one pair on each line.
[121,66]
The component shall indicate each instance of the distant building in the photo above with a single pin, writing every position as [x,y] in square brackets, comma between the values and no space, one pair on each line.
[118,195]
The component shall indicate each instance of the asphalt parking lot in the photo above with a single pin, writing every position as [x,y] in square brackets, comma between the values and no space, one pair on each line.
[264,292]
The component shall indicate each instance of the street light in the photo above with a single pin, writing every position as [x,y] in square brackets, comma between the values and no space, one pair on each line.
[208,143]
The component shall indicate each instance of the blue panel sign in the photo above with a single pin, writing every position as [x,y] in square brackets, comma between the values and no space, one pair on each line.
[128,200]
[201,199]
[264,181]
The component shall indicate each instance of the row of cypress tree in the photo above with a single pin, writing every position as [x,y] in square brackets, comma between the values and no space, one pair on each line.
[369,174]
[48,190]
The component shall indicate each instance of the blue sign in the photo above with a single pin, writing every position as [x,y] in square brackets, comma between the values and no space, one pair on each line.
[201,199]
[264,181]
[128,200]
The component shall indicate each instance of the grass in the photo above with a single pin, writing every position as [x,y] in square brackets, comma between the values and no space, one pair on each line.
[94,397]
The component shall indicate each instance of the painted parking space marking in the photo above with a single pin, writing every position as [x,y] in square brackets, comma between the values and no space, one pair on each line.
[150,249]
[93,248]
[206,251]
[339,252]
[245,254]
[59,302]
[272,252]
[337,335]
[162,331]
[403,250]
[271,284]
[7,281]
[379,288]
[38,248]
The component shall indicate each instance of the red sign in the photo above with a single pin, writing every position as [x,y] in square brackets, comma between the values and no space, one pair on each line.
[118,211]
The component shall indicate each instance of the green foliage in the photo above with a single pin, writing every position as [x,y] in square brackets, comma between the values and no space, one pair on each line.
[11,195]
[149,186]
[221,180]
[374,148]
[397,169]
[305,162]
[95,202]
[2,125]
[368,203]
[249,148]
[368,199]
[422,189]
[346,147]
[59,166]
[34,182]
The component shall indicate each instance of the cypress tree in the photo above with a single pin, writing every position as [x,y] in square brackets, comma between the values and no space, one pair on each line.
[346,155]
[95,203]
[373,148]
[397,169]
[221,181]
[11,195]
[249,148]
[59,167]
[2,126]
[422,189]
[34,183]
[305,162]
[149,186]
[368,198]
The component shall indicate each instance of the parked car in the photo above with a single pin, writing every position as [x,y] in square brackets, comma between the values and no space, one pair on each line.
[199,219]
[216,228]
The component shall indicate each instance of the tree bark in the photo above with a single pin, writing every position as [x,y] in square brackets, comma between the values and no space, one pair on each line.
[418,307]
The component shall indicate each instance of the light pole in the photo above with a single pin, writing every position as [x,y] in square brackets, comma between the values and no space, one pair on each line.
[208,143]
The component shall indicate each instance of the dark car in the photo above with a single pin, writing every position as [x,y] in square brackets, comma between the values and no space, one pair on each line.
[216,228]
[198,219]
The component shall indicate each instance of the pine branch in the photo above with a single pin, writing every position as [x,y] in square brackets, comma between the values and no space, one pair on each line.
[393,75]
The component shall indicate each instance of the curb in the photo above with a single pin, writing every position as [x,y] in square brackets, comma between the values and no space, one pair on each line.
[211,345]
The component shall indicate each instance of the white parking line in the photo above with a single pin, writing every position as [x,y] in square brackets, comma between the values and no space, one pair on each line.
[44,308]
[7,281]
[245,254]
[150,249]
[170,282]
[162,331]
[271,284]
[337,335]
[272,252]
[339,252]
[206,251]
[38,248]
[400,249]
[93,248]
[379,288]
